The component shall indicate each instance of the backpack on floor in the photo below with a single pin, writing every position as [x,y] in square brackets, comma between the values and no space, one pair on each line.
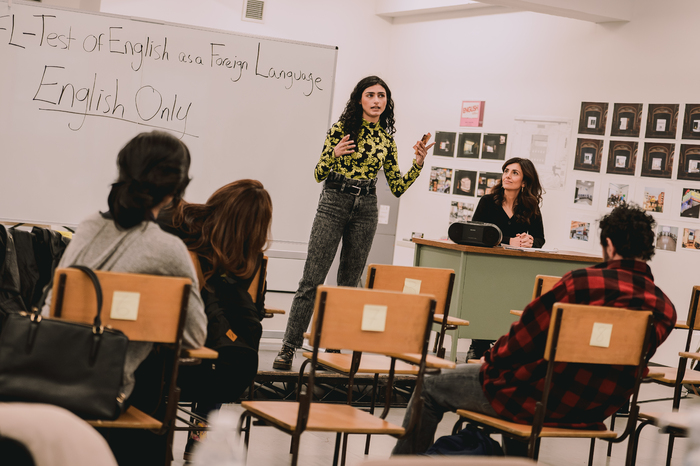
[468,441]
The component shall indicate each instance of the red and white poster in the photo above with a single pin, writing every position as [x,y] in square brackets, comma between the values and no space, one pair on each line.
[472,113]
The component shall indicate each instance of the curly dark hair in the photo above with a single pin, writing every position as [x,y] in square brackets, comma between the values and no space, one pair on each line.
[631,231]
[527,204]
[351,119]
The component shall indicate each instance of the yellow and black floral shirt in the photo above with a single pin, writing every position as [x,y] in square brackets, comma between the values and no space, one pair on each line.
[375,149]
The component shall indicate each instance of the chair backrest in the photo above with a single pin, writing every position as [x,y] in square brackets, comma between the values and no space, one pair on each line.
[257,285]
[597,335]
[198,269]
[413,280]
[694,310]
[158,302]
[372,320]
[543,283]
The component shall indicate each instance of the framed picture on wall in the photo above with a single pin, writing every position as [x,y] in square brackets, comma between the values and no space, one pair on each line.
[689,162]
[666,237]
[662,121]
[654,199]
[579,230]
[691,122]
[468,145]
[627,119]
[593,118]
[589,153]
[440,180]
[657,161]
[617,194]
[622,158]
[444,144]
[690,203]
[494,146]
[690,239]
[583,192]
[461,211]
[486,182]
[465,183]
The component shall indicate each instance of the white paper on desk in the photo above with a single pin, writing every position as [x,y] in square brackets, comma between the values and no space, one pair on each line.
[384,214]
[508,246]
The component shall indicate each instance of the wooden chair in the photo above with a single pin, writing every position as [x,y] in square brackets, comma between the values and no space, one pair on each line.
[543,283]
[569,341]
[162,306]
[352,319]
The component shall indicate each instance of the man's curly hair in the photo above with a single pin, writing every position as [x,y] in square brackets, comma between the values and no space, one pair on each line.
[631,231]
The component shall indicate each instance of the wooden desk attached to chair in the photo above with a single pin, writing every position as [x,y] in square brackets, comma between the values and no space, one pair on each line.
[491,281]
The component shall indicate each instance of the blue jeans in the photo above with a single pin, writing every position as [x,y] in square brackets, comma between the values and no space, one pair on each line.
[450,390]
[339,215]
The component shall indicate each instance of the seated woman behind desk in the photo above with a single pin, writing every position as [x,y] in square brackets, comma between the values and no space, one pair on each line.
[513,206]
[228,235]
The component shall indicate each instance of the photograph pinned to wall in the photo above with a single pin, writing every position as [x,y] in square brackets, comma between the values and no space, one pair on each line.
[657,161]
[689,163]
[468,145]
[486,182]
[691,122]
[617,194]
[589,153]
[666,237]
[627,119]
[444,144]
[465,183]
[622,158]
[472,113]
[662,121]
[440,180]
[583,194]
[654,199]
[691,239]
[579,230]
[494,146]
[545,141]
[593,118]
[690,203]
[461,211]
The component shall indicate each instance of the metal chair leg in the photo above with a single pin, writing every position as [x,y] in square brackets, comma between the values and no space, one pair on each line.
[345,449]
[375,383]
[590,453]
[669,452]
[336,451]
[612,427]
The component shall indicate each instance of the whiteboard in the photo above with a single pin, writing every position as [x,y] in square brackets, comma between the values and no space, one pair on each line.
[76,86]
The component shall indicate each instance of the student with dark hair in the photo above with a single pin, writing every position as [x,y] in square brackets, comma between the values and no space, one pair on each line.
[153,171]
[228,235]
[356,148]
[509,381]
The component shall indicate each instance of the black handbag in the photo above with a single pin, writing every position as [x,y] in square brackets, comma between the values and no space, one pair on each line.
[76,366]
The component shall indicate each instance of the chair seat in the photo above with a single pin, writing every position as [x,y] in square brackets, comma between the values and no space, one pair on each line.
[524,430]
[438,318]
[668,375]
[678,420]
[199,353]
[682,324]
[379,364]
[272,310]
[323,417]
[516,312]
[133,418]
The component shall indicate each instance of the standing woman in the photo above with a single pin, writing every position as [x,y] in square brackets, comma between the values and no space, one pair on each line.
[356,148]
[514,207]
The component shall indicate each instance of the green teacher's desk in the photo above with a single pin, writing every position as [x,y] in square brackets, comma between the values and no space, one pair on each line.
[489,282]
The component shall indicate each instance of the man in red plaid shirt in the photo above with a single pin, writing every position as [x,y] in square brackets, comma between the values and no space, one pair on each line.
[510,381]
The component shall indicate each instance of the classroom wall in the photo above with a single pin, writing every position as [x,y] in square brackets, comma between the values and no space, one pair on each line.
[528,64]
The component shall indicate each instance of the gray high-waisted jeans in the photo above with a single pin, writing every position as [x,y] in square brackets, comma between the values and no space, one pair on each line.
[339,215]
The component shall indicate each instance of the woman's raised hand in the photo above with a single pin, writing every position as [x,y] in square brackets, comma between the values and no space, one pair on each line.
[344,147]
[421,150]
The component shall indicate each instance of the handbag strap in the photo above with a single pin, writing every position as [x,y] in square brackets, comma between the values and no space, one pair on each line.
[97,324]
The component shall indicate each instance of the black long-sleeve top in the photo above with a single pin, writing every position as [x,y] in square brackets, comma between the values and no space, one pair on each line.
[489,212]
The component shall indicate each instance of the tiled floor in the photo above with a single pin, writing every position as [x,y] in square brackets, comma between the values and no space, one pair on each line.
[268,446]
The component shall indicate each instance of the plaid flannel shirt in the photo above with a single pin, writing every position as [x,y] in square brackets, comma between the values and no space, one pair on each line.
[582,395]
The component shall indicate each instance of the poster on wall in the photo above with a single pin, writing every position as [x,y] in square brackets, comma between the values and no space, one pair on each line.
[588,156]
[690,239]
[622,158]
[486,182]
[593,118]
[691,122]
[617,194]
[468,145]
[583,193]
[472,113]
[654,199]
[662,121]
[579,230]
[666,237]
[494,146]
[627,119]
[689,163]
[444,144]
[461,211]
[544,141]
[440,180]
[465,183]
[657,161]
[690,203]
